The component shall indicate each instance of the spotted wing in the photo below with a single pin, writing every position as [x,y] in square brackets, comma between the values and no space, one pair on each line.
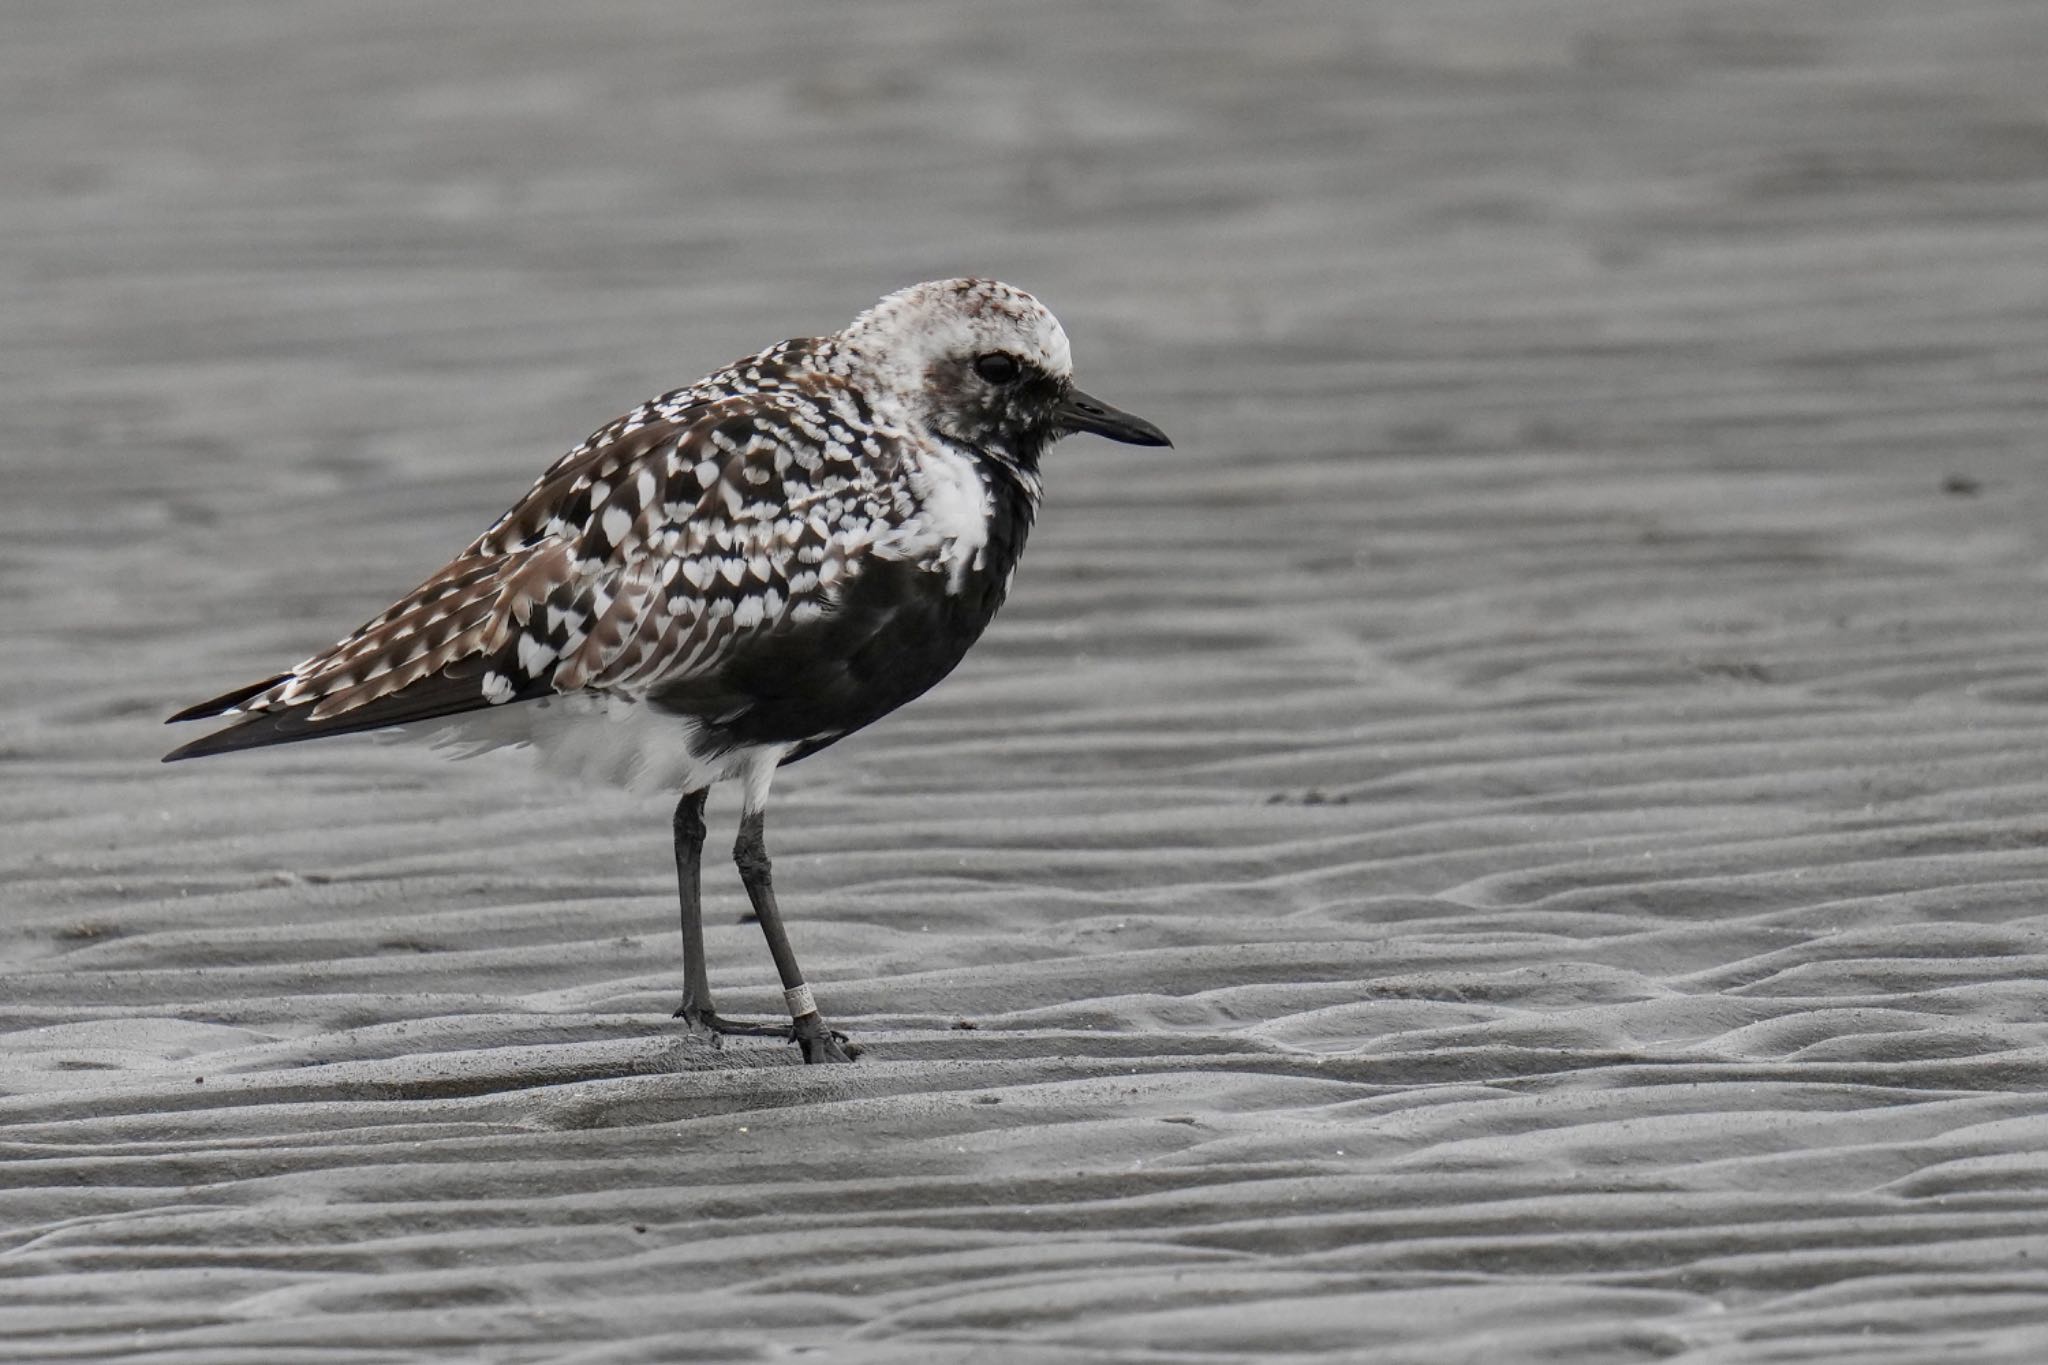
[644,556]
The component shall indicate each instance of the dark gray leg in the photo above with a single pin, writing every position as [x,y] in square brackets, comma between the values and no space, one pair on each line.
[697,1007]
[820,1044]
[689,827]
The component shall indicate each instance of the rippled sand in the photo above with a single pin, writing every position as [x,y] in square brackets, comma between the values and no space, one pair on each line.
[1522,839]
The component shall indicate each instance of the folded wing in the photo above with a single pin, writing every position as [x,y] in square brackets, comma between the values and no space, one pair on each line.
[642,558]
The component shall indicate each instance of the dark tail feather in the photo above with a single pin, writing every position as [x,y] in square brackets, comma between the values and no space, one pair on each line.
[225,701]
[253,733]
[450,692]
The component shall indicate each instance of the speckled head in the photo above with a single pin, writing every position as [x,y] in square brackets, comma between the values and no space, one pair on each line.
[904,334]
[984,364]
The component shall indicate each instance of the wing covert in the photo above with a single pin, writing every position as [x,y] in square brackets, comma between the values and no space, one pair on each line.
[757,519]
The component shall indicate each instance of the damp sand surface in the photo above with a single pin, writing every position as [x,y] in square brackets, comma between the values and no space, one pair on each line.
[1521,839]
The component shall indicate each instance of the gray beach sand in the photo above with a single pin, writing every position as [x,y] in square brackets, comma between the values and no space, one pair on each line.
[1522,839]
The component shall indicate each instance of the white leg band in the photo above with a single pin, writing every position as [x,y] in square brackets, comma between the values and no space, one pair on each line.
[801,1001]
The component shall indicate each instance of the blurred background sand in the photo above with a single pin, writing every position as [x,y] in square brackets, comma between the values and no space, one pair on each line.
[1521,839]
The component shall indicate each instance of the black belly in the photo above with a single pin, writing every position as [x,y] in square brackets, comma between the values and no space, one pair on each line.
[895,633]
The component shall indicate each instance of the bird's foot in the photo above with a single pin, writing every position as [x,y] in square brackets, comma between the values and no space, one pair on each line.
[705,1020]
[821,1044]
[817,1042]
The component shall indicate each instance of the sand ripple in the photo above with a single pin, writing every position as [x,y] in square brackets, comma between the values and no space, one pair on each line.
[1522,840]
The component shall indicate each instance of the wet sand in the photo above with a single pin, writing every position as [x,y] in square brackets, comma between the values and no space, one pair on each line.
[1521,839]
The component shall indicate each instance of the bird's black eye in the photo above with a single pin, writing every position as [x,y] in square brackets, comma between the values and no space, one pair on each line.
[997,368]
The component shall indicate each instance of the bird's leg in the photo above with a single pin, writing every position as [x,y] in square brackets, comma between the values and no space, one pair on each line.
[697,1008]
[689,828]
[819,1043]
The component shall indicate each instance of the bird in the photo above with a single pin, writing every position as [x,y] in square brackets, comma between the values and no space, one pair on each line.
[729,578]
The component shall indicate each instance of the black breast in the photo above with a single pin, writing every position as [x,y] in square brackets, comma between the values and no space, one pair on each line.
[895,633]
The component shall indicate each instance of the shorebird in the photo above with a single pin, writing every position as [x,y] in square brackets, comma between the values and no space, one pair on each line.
[726,579]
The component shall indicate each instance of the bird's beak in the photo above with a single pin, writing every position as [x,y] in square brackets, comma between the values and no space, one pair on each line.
[1078,412]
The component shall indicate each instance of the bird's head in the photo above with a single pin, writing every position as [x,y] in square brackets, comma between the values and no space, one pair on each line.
[986,365]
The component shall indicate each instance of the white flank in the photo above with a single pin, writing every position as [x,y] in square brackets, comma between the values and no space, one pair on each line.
[602,740]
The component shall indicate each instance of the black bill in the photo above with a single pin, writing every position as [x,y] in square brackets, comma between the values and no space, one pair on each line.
[1078,412]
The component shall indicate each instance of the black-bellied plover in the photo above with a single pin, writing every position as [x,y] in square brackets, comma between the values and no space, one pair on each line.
[727,579]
